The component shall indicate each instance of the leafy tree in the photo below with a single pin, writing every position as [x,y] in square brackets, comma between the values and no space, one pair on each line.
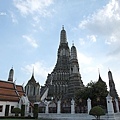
[17,111]
[96,91]
[97,111]
[100,92]
[85,93]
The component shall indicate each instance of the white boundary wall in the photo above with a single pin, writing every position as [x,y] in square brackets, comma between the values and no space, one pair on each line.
[2,103]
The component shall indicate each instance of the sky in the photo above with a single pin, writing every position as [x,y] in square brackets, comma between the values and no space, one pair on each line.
[30,37]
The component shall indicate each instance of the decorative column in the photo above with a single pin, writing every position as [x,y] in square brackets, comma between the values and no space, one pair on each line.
[46,109]
[117,106]
[27,108]
[58,107]
[72,106]
[89,104]
[110,109]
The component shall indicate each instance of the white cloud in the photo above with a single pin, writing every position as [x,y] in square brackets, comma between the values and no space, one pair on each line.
[31,41]
[14,20]
[32,6]
[36,19]
[92,38]
[112,39]
[93,68]
[3,13]
[105,22]
[82,41]
[89,38]
[40,71]
[89,65]
[83,59]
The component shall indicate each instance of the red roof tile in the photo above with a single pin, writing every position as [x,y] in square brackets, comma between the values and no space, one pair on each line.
[9,98]
[10,92]
[20,90]
[5,84]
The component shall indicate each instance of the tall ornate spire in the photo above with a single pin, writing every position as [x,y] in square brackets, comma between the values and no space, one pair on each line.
[63,49]
[113,91]
[11,73]
[65,76]
[73,52]
[110,76]
[63,38]
[75,83]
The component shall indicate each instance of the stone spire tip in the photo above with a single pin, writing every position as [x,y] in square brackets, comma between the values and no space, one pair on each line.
[99,71]
[73,43]
[62,27]
[33,71]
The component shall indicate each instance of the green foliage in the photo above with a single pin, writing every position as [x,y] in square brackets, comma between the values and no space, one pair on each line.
[35,111]
[22,110]
[97,111]
[17,111]
[96,91]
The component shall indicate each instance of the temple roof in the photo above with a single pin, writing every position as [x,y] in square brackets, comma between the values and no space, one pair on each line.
[32,81]
[20,90]
[10,92]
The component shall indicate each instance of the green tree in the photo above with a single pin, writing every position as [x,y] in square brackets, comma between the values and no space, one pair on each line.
[85,93]
[17,111]
[100,92]
[97,111]
[96,91]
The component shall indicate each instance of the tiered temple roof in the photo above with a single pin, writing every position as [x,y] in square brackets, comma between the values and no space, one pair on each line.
[10,92]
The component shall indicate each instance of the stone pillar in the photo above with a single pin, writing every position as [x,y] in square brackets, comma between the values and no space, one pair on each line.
[117,106]
[89,105]
[58,107]
[28,105]
[46,109]
[72,106]
[110,109]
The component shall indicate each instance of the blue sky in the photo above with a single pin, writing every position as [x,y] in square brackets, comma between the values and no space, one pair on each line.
[30,36]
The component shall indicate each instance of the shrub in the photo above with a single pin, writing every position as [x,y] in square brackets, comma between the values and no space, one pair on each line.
[17,111]
[97,111]
[29,116]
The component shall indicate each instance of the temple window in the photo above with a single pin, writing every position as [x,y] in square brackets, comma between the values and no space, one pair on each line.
[1,108]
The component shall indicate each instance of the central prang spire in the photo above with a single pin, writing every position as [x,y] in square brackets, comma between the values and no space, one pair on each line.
[63,38]
[65,79]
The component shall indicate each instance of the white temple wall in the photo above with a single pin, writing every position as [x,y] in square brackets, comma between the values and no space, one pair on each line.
[3,104]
